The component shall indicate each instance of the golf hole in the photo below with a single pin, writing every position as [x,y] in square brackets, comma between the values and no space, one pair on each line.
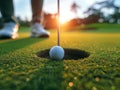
[70,54]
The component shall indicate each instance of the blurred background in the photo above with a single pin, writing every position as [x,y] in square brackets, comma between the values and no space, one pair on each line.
[72,12]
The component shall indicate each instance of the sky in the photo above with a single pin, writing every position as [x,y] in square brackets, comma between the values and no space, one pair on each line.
[23,8]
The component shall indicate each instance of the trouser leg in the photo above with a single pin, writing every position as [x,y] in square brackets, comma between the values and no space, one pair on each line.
[37,10]
[7,10]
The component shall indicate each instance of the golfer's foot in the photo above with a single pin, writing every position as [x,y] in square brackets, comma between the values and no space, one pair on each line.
[39,31]
[10,30]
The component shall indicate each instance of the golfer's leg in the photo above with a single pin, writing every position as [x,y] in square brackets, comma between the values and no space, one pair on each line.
[37,18]
[10,27]
[7,10]
[37,10]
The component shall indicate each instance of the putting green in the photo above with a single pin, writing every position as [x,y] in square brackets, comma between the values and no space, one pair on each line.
[22,69]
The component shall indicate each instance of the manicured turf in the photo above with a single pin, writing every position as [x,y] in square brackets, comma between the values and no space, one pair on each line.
[21,69]
[100,28]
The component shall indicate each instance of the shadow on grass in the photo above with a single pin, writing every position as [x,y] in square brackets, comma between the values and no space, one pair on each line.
[49,77]
[14,45]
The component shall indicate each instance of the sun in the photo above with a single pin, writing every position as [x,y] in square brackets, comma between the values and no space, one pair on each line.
[65,16]
[62,20]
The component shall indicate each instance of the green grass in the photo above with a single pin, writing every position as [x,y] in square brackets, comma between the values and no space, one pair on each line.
[100,28]
[21,69]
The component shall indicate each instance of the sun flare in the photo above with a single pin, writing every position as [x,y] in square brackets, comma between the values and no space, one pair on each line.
[65,16]
[63,20]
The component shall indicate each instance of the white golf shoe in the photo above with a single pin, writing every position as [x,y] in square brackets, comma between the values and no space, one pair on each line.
[38,31]
[10,30]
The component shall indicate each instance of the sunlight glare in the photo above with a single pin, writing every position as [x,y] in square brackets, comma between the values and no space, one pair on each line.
[63,20]
[65,16]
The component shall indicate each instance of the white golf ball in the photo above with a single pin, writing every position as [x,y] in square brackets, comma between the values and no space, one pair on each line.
[56,53]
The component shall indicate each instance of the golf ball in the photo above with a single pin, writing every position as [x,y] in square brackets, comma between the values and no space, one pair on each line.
[56,53]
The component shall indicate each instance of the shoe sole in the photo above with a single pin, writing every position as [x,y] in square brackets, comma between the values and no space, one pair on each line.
[8,37]
[5,37]
[40,36]
[43,36]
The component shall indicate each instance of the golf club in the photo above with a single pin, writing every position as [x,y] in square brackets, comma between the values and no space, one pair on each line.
[58,26]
